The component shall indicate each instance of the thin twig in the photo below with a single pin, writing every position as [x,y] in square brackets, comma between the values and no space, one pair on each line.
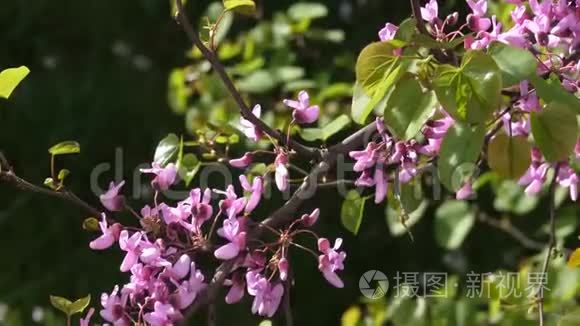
[287,305]
[245,111]
[510,229]
[20,183]
[551,244]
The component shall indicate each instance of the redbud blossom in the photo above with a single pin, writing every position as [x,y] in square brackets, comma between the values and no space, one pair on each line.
[111,199]
[303,111]
[331,261]
[242,162]
[248,128]
[109,236]
[164,177]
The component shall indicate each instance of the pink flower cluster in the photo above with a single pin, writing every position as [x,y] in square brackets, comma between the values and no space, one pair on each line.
[548,29]
[386,155]
[161,253]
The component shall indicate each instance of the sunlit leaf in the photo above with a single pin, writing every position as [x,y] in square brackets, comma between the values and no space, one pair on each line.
[555,130]
[335,126]
[244,7]
[65,147]
[408,111]
[10,78]
[471,92]
[510,197]
[551,90]
[79,305]
[453,221]
[352,210]
[574,260]
[61,304]
[374,61]
[516,64]
[260,81]
[166,149]
[188,167]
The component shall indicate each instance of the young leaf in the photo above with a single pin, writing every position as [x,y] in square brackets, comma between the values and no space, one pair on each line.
[79,306]
[10,78]
[516,64]
[66,147]
[574,260]
[471,92]
[460,148]
[336,125]
[166,149]
[244,7]
[555,130]
[351,213]
[406,112]
[188,167]
[509,156]
[453,221]
[61,304]
[91,224]
[307,11]
[62,174]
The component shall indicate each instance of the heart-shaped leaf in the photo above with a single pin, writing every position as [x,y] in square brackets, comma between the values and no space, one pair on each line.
[509,156]
[10,78]
[65,147]
[555,130]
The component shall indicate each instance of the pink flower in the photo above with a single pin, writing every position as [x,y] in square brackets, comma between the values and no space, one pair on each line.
[281,174]
[366,158]
[303,111]
[164,177]
[310,219]
[331,261]
[283,267]
[430,11]
[85,321]
[114,308]
[111,199]
[477,23]
[381,182]
[180,268]
[242,162]
[366,179]
[187,291]
[232,231]
[535,176]
[568,178]
[131,246]
[465,192]
[109,236]
[255,189]
[151,253]
[237,286]
[232,205]
[479,7]
[388,32]
[162,315]
[175,214]
[248,128]
[200,207]
[267,296]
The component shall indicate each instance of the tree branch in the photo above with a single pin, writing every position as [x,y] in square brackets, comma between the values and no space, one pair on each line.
[245,111]
[511,230]
[551,244]
[20,183]
[416,8]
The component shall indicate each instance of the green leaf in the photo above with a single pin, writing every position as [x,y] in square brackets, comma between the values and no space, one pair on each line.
[166,149]
[511,198]
[406,112]
[407,29]
[555,130]
[471,92]
[336,125]
[509,156]
[62,174]
[351,213]
[288,73]
[79,306]
[453,221]
[360,102]
[374,61]
[459,152]
[332,35]
[61,304]
[65,147]
[10,78]
[188,167]
[393,215]
[244,7]
[336,90]
[551,90]
[307,11]
[49,182]
[516,64]
[260,81]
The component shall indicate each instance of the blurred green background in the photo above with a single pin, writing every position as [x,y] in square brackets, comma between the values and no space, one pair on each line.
[99,75]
